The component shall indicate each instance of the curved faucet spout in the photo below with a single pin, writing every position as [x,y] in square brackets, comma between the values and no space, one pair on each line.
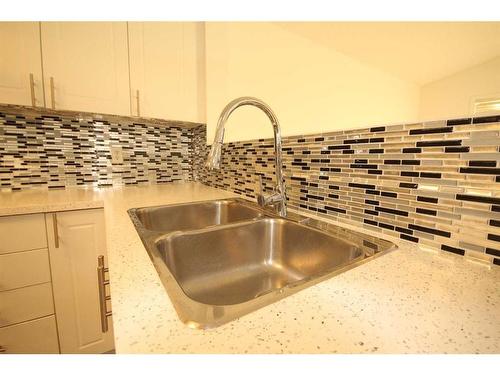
[277,199]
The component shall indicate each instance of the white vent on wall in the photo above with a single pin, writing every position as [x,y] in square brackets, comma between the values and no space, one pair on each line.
[486,105]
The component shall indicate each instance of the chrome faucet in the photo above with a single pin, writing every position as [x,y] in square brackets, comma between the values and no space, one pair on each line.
[278,197]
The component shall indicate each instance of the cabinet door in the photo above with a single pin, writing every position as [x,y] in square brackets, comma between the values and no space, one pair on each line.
[88,62]
[20,57]
[167,67]
[73,258]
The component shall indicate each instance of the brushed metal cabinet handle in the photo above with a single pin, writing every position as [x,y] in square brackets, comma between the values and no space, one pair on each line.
[52,94]
[102,282]
[56,231]
[32,90]
[138,104]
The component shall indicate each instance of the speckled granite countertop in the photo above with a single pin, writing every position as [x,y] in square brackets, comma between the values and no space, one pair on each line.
[407,301]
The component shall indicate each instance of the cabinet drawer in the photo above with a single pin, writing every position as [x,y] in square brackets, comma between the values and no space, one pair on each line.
[20,305]
[22,232]
[23,269]
[35,336]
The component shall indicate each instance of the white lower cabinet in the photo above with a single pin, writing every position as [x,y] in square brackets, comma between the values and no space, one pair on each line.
[50,299]
[37,336]
[76,240]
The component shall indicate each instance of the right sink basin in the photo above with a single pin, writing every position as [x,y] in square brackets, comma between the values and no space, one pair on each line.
[237,263]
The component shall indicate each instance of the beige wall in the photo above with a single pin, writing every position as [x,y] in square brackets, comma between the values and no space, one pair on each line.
[311,88]
[454,96]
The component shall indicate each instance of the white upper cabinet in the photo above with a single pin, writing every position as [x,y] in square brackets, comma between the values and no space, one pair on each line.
[20,58]
[85,66]
[167,70]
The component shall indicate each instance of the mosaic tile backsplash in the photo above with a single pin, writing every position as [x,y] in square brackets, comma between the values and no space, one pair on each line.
[434,183]
[57,150]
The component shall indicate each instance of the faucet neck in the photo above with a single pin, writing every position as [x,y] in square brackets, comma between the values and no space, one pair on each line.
[214,157]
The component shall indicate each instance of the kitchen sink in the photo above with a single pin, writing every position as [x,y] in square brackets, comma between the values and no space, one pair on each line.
[219,260]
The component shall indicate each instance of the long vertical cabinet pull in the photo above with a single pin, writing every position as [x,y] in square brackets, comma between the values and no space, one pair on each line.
[52,94]
[102,282]
[138,104]
[56,231]
[32,90]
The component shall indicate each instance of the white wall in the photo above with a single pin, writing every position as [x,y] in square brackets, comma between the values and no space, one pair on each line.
[311,88]
[453,96]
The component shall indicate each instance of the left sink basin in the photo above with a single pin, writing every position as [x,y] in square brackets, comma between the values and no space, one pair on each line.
[194,215]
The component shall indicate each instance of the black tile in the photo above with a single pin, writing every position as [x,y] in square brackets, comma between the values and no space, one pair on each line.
[386,226]
[408,238]
[377,140]
[459,121]
[485,119]
[412,150]
[495,208]
[410,162]
[477,198]
[371,222]
[374,171]
[391,211]
[373,192]
[408,185]
[494,237]
[339,147]
[409,174]
[348,151]
[371,212]
[376,151]
[496,261]
[482,163]
[453,142]
[377,129]
[494,171]
[427,199]
[457,149]
[389,194]
[340,210]
[425,211]
[495,223]
[494,252]
[333,187]
[404,230]
[451,249]
[361,186]
[319,139]
[437,232]
[375,203]
[431,130]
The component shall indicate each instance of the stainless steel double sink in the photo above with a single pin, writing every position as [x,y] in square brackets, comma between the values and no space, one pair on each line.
[219,260]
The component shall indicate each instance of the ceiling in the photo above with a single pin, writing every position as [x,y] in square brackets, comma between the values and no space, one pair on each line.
[419,52]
